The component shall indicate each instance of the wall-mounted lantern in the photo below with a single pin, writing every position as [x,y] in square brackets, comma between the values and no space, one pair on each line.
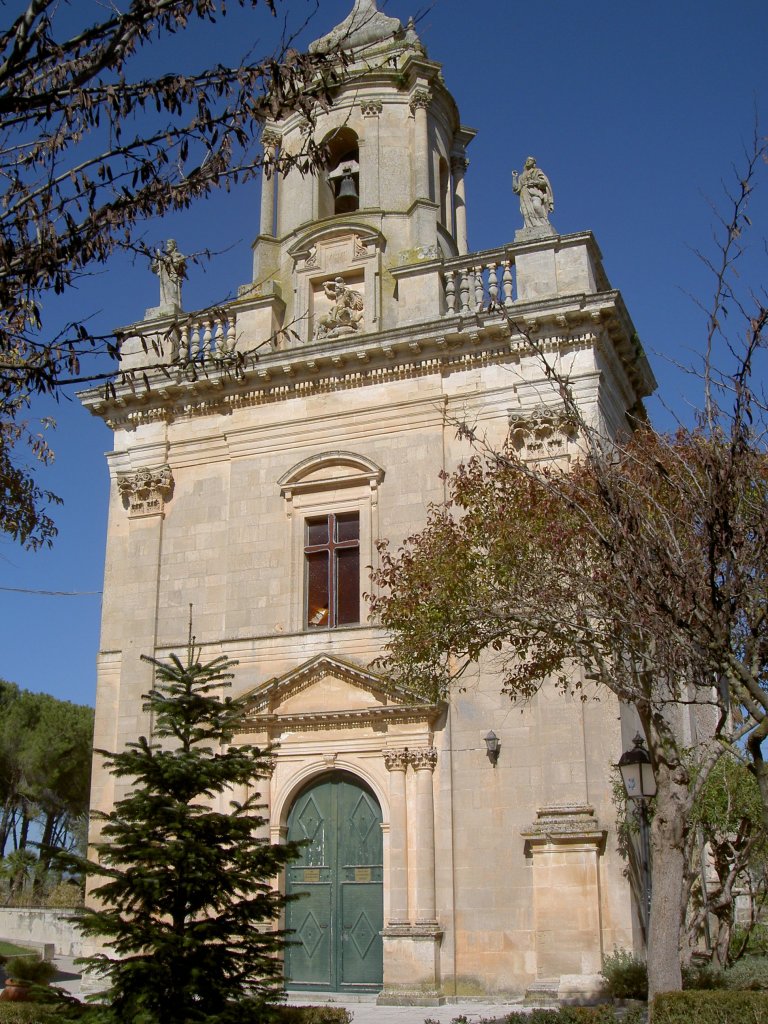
[493,747]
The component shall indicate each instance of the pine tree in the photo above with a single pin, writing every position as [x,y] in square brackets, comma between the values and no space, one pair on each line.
[188,909]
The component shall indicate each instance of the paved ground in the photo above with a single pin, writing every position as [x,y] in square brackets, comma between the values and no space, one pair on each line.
[363,1009]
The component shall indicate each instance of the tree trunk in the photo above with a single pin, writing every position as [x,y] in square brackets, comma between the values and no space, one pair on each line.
[668,863]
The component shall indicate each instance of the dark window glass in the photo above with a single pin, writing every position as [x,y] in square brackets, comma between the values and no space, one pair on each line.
[347,586]
[318,589]
[317,531]
[332,559]
[348,526]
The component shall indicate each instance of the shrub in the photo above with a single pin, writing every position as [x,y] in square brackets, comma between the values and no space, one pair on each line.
[756,938]
[703,976]
[626,976]
[30,968]
[751,973]
[307,1015]
[577,1015]
[710,1008]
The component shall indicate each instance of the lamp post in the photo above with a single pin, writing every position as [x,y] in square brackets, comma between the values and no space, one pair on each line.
[640,785]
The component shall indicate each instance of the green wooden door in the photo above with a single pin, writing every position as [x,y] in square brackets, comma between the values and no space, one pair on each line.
[337,920]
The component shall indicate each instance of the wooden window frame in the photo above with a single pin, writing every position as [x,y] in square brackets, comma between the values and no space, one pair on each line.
[331,547]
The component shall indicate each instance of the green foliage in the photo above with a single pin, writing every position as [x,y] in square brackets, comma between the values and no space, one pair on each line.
[710,1008]
[45,770]
[308,1015]
[753,940]
[30,968]
[703,976]
[577,1015]
[626,976]
[187,903]
[750,973]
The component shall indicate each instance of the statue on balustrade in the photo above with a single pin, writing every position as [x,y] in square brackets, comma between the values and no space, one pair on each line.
[171,267]
[536,200]
[345,315]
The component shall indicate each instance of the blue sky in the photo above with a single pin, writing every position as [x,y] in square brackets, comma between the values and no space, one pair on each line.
[638,113]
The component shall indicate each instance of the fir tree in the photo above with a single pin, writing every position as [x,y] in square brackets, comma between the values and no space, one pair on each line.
[187,910]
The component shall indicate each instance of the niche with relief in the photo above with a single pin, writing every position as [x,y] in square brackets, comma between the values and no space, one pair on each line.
[336,273]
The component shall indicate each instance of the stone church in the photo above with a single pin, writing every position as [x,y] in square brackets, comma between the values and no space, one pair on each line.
[431,870]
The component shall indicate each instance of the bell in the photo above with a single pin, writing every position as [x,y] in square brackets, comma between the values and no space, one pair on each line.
[347,198]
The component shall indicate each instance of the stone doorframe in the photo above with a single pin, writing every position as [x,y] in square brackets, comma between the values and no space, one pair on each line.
[382,735]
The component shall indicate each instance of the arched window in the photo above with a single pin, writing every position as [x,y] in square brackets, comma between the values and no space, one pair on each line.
[331,500]
[340,183]
[445,195]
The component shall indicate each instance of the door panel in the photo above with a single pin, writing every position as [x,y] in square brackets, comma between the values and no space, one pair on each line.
[339,916]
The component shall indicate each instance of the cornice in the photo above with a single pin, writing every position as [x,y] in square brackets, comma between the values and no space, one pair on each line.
[356,718]
[440,345]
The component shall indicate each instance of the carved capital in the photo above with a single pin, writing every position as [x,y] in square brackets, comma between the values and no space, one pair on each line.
[459,164]
[424,759]
[270,139]
[420,100]
[396,760]
[371,108]
[146,491]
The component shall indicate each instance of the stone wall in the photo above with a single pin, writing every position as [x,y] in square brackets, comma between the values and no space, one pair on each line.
[41,927]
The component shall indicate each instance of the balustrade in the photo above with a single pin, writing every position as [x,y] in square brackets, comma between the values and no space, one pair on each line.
[479,283]
[210,337]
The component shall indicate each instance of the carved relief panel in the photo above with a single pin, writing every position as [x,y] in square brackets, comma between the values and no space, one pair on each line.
[336,273]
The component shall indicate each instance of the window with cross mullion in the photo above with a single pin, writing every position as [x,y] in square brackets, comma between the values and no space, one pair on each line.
[332,566]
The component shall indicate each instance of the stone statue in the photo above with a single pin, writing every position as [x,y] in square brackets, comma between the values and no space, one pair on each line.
[171,267]
[346,313]
[536,200]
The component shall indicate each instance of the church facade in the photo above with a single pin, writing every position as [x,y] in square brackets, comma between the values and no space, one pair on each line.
[256,490]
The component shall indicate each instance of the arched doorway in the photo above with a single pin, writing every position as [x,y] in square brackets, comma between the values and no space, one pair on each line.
[337,919]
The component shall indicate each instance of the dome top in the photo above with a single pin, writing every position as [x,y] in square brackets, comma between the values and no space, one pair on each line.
[365,25]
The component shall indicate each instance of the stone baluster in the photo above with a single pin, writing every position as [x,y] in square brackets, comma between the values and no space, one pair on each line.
[270,140]
[479,289]
[459,166]
[424,762]
[194,346]
[184,343]
[396,762]
[231,336]
[464,289]
[493,285]
[218,336]
[419,103]
[450,291]
[207,336]
[506,284]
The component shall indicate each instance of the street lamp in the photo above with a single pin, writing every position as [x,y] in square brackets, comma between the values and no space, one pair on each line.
[640,785]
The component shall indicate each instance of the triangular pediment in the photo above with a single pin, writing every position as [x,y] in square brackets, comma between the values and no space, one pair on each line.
[328,687]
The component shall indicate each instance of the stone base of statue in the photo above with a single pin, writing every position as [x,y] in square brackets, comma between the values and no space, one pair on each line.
[168,309]
[530,234]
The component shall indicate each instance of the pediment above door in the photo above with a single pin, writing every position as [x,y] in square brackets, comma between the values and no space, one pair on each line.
[328,691]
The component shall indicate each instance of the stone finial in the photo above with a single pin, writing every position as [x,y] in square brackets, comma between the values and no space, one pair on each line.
[536,201]
[171,267]
[363,26]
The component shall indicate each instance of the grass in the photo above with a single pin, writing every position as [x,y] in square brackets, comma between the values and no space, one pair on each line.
[11,949]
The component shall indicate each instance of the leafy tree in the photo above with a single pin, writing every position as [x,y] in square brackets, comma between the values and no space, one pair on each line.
[643,570]
[92,145]
[729,816]
[187,903]
[45,769]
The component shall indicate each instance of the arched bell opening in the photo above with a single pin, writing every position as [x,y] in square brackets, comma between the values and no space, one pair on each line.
[340,184]
[338,878]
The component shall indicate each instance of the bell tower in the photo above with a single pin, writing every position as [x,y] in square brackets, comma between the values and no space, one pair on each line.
[391,190]
[262,448]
